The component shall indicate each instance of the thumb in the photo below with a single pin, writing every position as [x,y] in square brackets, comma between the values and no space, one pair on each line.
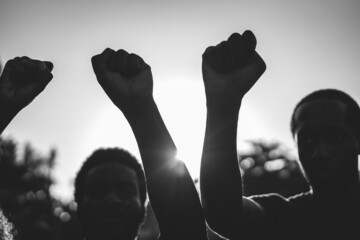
[136,64]
[256,66]
[49,65]
[99,62]
[45,74]
[249,41]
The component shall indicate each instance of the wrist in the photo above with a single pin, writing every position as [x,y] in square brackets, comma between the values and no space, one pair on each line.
[223,104]
[136,105]
[136,110]
[7,114]
[8,109]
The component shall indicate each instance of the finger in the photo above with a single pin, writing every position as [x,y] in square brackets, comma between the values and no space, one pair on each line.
[256,65]
[142,64]
[228,55]
[36,66]
[236,41]
[44,74]
[49,65]
[99,62]
[46,77]
[36,70]
[121,61]
[15,68]
[27,63]
[249,41]
[43,80]
[235,37]
[32,70]
[36,73]
[9,66]
[44,66]
[107,53]
[213,58]
[135,64]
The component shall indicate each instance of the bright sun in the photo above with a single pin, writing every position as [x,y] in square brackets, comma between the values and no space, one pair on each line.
[183,108]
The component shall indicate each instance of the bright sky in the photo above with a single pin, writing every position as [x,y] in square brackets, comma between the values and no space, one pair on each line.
[306,44]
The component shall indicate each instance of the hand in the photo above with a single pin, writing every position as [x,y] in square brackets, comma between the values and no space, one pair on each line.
[21,81]
[123,76]
[232,67]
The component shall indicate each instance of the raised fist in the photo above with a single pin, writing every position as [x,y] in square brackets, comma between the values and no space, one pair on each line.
[232,67]
[123,76]
[22,80]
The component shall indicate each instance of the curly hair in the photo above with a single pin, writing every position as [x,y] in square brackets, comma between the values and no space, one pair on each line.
[353,109]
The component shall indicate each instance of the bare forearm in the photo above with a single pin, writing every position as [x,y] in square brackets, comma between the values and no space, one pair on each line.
[154,141]
[171,189]
[220,178]
[230,69]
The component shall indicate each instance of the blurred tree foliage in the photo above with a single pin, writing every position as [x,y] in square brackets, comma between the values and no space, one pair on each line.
[25,195]
[27,202]
[25,182]
[270,166]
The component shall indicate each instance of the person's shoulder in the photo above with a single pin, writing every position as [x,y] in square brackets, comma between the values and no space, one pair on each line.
[301,198]
[271,203]
[269,198]
[278,198]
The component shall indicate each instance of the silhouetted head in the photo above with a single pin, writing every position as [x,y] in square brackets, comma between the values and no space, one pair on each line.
[110,191]
[325,126]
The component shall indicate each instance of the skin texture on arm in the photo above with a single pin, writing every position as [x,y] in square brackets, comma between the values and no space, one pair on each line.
[127,80]
[20,82]
[229,70]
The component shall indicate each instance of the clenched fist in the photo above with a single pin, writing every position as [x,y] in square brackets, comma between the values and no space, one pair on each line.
[123,76]
[21,81]
[232,67]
